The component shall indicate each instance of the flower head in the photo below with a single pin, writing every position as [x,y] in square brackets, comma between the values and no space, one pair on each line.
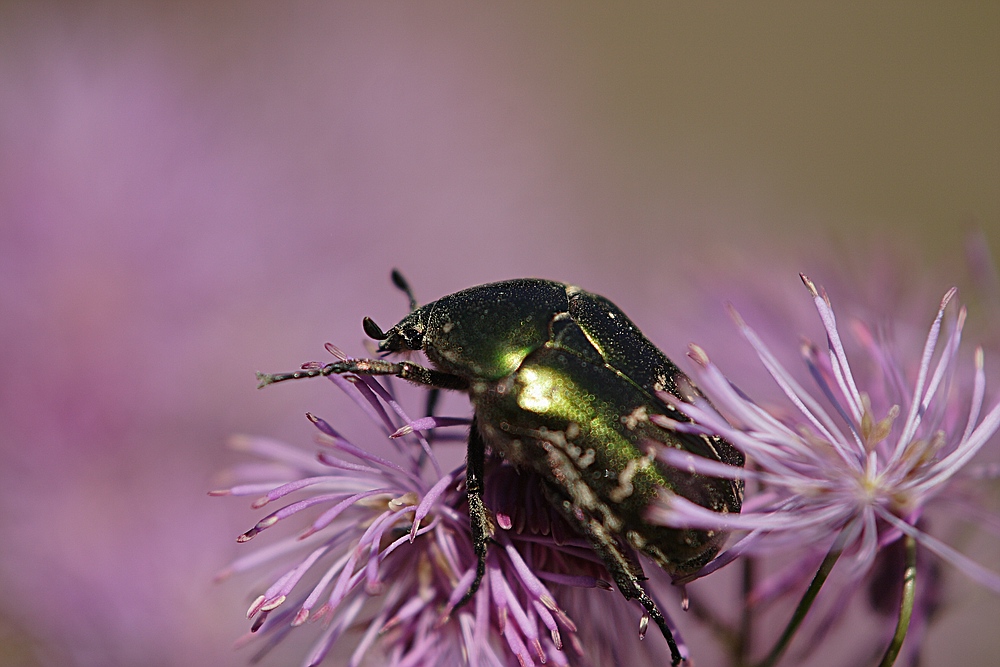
[387,548]
[850,471]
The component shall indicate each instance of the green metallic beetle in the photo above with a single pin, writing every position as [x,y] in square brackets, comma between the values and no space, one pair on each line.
[563,384]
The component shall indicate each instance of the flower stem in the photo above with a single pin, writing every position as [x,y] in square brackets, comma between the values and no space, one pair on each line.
[743,646]
[805,603]
[905,605]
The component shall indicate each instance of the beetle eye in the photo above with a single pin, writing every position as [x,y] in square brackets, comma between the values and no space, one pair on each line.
[372,330]
[414,338]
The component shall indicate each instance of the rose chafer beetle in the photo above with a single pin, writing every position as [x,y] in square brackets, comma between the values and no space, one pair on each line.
[562,383]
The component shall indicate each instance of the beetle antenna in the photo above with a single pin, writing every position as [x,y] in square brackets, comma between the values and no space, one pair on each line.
[373,330]
[401,284]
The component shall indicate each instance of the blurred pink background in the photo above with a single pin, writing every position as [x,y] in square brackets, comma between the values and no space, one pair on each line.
[191,192]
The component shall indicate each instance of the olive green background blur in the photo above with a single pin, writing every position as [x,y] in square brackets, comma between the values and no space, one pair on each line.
[193,191]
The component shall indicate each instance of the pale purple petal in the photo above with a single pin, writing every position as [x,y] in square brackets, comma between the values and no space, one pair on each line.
[913,417]
[838,358]
[967,566]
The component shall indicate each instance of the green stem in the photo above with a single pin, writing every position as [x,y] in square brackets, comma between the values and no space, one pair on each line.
[743,646]
[905,605]
[805,603]
[705,615]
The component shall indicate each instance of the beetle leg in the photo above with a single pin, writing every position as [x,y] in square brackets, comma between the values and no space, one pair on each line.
[403,369]
[479,519]
[403,285]
[622,569]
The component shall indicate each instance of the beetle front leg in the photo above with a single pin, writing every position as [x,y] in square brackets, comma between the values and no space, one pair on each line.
[403,369]
[482,527]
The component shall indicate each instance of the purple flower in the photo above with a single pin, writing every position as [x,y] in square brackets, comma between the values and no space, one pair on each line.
[851,480]
[386,547]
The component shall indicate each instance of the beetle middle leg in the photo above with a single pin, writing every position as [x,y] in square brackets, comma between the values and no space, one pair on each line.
[479,518]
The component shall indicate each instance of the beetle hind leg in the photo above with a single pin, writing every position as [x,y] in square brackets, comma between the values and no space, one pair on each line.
[582,512]
[627,574]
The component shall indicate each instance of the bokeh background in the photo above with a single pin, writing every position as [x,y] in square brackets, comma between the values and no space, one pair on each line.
[193,191]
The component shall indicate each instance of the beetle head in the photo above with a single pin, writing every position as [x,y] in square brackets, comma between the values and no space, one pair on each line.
[407,335]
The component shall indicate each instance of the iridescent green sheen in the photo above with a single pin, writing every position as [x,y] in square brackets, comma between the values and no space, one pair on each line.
[584,427]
